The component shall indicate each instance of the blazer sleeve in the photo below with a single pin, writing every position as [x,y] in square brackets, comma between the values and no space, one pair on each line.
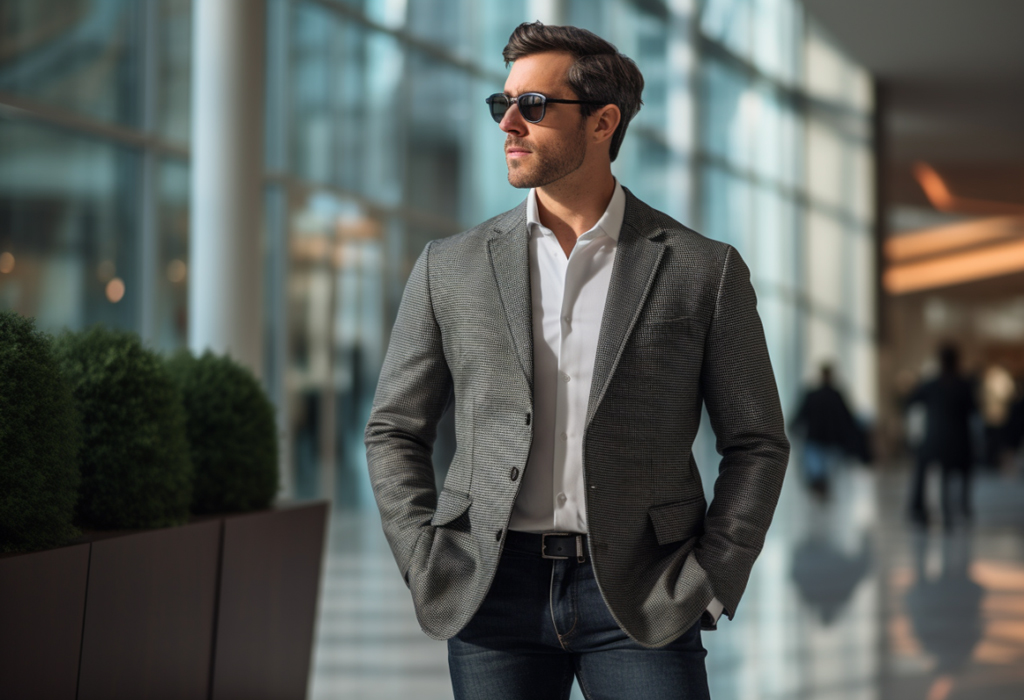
[414,389]
[743,403]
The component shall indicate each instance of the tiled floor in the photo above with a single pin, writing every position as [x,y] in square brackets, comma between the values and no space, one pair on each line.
[846,602]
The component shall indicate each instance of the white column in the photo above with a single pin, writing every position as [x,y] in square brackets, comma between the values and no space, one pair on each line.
[225,275]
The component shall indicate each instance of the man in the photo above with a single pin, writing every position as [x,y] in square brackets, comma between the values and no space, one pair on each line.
[949,403]
[830,429]
[578,336]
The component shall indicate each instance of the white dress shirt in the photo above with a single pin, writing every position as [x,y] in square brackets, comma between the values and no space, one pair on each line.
[568,298]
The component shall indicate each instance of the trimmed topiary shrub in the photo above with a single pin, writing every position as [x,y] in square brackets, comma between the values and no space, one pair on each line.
[136,471]
[40,435]
[231,431]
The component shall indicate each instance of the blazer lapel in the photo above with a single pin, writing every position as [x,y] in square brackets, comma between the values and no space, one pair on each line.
[510,260]
[636,262]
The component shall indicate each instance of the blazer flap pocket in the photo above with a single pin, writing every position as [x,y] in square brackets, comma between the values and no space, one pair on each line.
[677,521]
[450,505]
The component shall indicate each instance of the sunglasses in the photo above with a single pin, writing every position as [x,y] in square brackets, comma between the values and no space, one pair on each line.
[532,105]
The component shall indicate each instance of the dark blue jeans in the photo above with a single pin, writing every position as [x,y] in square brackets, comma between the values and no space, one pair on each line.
[543,622]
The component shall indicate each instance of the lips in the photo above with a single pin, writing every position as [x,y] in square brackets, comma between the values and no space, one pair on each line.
[514,150]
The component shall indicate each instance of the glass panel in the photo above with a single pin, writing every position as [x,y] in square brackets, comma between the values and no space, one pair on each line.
[68,217]
[314,41]
[779,320]
[823,345]
[826,256]
[497,20]
[643,167]
[79,55]
[440,108]
[862,276]
[861,90]
[774,254]
[864,369]
[824,67]
[587,14]
[825,164]
[728,207]
[173,111]
[776,46]
[311,293]
[450,24]
[862,182]
[172,264]
[729,22]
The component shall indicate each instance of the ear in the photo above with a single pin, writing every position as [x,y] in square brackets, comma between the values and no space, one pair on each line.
[604,122]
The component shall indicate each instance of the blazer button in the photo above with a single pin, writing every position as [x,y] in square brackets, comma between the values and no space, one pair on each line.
[515,473]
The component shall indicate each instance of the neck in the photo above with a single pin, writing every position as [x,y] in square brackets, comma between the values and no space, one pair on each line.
[571,208]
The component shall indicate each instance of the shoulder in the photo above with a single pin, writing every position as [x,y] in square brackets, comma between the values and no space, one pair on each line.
[692,247]
[474,240]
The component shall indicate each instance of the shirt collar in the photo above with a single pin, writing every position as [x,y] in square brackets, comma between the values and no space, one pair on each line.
[610,223]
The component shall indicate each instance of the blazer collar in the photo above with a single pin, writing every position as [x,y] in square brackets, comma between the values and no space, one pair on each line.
[637,257]
[509,251]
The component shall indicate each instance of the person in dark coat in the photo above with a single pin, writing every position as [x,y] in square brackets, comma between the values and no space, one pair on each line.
[829,427]
[948,401]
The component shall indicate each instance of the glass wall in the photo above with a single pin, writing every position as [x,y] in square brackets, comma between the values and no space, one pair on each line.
[755,130]
[94,103]
[786,177]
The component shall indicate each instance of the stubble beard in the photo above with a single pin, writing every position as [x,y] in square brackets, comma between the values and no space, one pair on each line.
[547,166]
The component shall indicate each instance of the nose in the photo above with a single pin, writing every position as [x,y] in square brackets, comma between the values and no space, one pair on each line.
[512,122]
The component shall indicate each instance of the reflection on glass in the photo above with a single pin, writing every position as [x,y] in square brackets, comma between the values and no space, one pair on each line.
[173,111]
[67,217]
[173,259]
[79,55]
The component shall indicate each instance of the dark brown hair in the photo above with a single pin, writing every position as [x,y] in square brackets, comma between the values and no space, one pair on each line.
[599,73]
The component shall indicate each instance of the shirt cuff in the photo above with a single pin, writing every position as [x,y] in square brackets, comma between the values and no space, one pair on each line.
[709,618]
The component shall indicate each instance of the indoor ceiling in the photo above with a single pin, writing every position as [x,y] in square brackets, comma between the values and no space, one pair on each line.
[952,73]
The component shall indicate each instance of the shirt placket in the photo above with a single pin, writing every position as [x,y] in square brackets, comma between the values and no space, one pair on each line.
[568,442]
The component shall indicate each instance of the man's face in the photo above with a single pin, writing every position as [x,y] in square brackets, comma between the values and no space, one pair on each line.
[543,153]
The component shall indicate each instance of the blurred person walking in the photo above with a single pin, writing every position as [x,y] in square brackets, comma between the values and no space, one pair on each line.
[948,402]
[578,336]
[830,431]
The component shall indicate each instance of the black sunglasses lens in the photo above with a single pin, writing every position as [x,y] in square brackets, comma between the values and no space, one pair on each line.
[499,105]
[531,107]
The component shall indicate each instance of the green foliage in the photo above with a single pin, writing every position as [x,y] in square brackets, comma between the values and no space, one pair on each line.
[231,431]
[135,463]
[40,434]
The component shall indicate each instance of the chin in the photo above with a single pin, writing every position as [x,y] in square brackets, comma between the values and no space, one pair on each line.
[519,180]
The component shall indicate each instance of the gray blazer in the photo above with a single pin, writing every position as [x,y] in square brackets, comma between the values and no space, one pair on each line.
[680,329]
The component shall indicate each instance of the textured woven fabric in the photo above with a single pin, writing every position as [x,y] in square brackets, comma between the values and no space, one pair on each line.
[680,329]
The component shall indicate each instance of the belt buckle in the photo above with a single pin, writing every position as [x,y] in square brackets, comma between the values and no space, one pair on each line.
[544,544]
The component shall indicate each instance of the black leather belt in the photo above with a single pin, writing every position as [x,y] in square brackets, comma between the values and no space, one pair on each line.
[550,545]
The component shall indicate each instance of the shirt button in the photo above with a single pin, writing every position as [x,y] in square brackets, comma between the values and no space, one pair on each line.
[561,499]
[565,377]
[568,321]
[515,473]
[564,436]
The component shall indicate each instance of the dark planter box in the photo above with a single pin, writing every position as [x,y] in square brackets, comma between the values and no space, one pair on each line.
[149,614]
[270,577]
[223,607]
[42,604]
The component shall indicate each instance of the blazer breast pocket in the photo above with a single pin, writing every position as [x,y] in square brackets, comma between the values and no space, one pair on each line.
[674,522]
[669,332]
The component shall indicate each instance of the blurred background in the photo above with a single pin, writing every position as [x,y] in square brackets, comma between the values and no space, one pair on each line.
[259,176]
